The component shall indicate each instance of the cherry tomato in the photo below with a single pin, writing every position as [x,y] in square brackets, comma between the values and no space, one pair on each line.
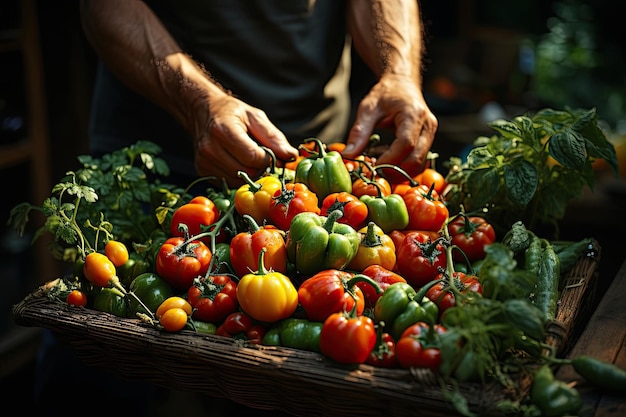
[77,298]
[173,302]
[99,269]
[419,346]
[117,252]
[441,294]
[361,187]
[384,352]
[354,210]
[174,319]
[431,176]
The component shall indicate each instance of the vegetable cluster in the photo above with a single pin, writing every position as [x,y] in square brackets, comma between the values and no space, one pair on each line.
[331,255]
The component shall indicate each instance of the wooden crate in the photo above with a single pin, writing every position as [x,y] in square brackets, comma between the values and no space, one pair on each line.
[268,377]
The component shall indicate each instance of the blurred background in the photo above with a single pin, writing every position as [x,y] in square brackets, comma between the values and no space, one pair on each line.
[485,59]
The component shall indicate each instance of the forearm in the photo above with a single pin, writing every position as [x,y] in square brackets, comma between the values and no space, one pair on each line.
[133,43]
[387,34]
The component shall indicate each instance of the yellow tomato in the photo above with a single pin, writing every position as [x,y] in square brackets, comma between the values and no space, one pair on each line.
[174,319]
[173,302]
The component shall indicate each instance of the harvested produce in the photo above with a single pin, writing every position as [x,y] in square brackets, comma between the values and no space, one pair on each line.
[411,278]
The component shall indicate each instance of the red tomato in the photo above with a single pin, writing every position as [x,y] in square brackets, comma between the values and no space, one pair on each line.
[471,234]
[213,298]
[419,347]
[398,235]
[441,294]
[179,263]
[384,352]
[77,298]
[419,258]
[327,292]
[199,213]
[346,338]
[239,325]
[354,210]
[287,202]
[427,211]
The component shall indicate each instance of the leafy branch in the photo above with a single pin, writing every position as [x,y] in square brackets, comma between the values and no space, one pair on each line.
[106,198]
[531,168]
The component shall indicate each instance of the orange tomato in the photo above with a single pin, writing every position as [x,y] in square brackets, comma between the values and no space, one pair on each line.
[99,269]
[431,176]
[361,187]
[336,146]
[117,252]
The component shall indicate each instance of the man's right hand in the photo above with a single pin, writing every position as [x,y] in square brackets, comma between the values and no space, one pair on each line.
[229,137]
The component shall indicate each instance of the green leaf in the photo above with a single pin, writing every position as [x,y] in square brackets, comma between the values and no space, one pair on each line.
[568,148]
[481,157]
[584,118]
[598,146]
[161,167]
[483,185]
[520,180]
[506,128]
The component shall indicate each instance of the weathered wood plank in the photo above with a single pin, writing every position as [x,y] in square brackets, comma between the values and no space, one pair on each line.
[604,338]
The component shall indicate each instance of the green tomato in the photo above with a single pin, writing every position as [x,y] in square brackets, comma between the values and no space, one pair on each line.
[134,267]
[110,300]
[151,289]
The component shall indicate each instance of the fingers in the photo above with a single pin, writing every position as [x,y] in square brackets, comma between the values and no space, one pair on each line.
[414,138]
[395,102]
[232,142]
[270,136]
[367,118]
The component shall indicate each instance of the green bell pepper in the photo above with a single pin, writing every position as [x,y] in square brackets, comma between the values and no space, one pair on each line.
[400,306]
[152,290]
[389,213]
[315,243]
[111,300]
[324,172]
[295,333]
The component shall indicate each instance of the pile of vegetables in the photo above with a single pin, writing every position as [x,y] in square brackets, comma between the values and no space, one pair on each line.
[330,255]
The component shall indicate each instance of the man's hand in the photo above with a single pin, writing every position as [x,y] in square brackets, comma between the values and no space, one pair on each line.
[230,137]
[398,102]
